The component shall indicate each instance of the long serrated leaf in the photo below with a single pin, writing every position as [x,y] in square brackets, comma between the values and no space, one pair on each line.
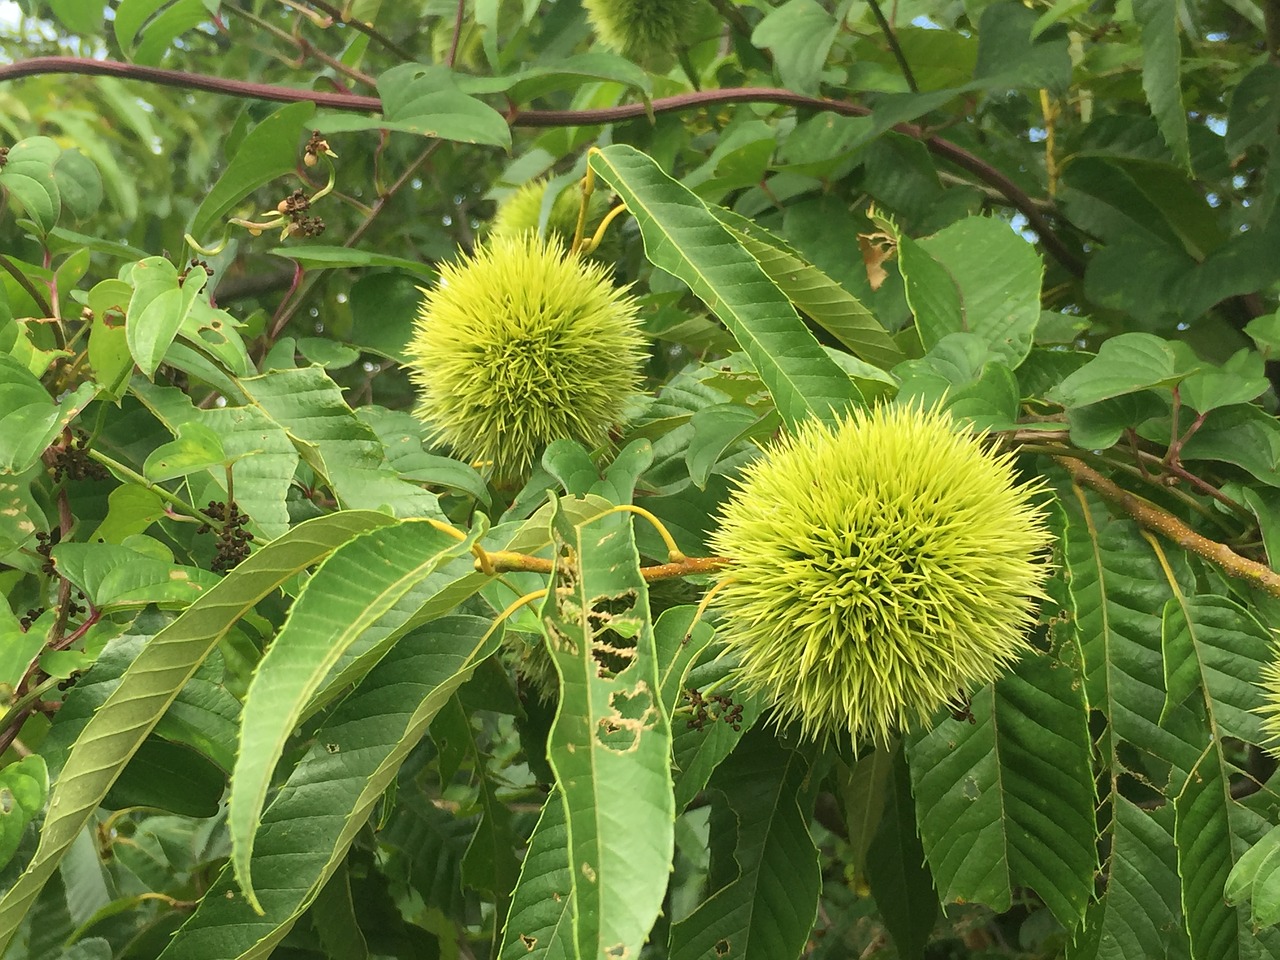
[1213,657]
[768,910]
[1256,877]
[352,591]
[118,728]
[1161,72]
[610,745]
[1009,800]
[683,237]
[1136,918]
[308,827]
[1214,647]
[897,868]
[540,924]
[1212,831]
[1118,588]
[825,301]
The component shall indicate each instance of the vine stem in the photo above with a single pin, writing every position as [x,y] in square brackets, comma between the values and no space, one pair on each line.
[945,149]
[894,46]
[1151,517]
[132,476]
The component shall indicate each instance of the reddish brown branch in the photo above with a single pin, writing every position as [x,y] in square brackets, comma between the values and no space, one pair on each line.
[944,149]
[37,66]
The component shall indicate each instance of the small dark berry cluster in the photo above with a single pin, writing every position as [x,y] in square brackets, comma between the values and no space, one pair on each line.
[718,706]
[71,459]
[233,538]
[4,156]
[202,264]
[44,547]
[32,616]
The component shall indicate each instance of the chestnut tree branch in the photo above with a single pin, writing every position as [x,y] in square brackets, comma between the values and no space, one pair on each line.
[1151,517]
[504,561]
[945,149]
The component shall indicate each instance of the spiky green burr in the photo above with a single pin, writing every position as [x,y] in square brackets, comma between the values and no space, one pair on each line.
[521,344]
[522,211]
[643,29]
[882,568]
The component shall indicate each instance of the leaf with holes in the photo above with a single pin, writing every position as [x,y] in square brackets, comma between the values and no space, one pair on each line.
[611,742]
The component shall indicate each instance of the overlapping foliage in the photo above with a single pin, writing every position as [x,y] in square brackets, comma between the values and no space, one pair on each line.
[280,678]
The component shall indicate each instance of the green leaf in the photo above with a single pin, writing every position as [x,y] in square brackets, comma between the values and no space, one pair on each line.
[1254,116]
[1241,379]
[269,151]
[898,871]
[611,742]
[79,16]
[425,99]
[822,299]
[117,578]
[1118,587]
[682,237]
[357,585]
[996,809]
[1150,203]
[24,786]
[202,717]
[169,777]
[328,353]
[1162,73]
[1211,830]
[1256,878]
[30,420]
[862,800]
[130,16]
[383,307]
[131,510]
[118,728]
[1129,363]
[540,924]
[799,33]
[976,276]
[1011,56]
[18,648]
[79,184]
[197,448]
[334,442]
[1137,915]
[1215,648]
[700,752]
[315,257]
[159,306]
[768,909]
[403,436]
[28,178]
[961,374]
[719,428]
[109,355]
[334,916]
[326,800]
